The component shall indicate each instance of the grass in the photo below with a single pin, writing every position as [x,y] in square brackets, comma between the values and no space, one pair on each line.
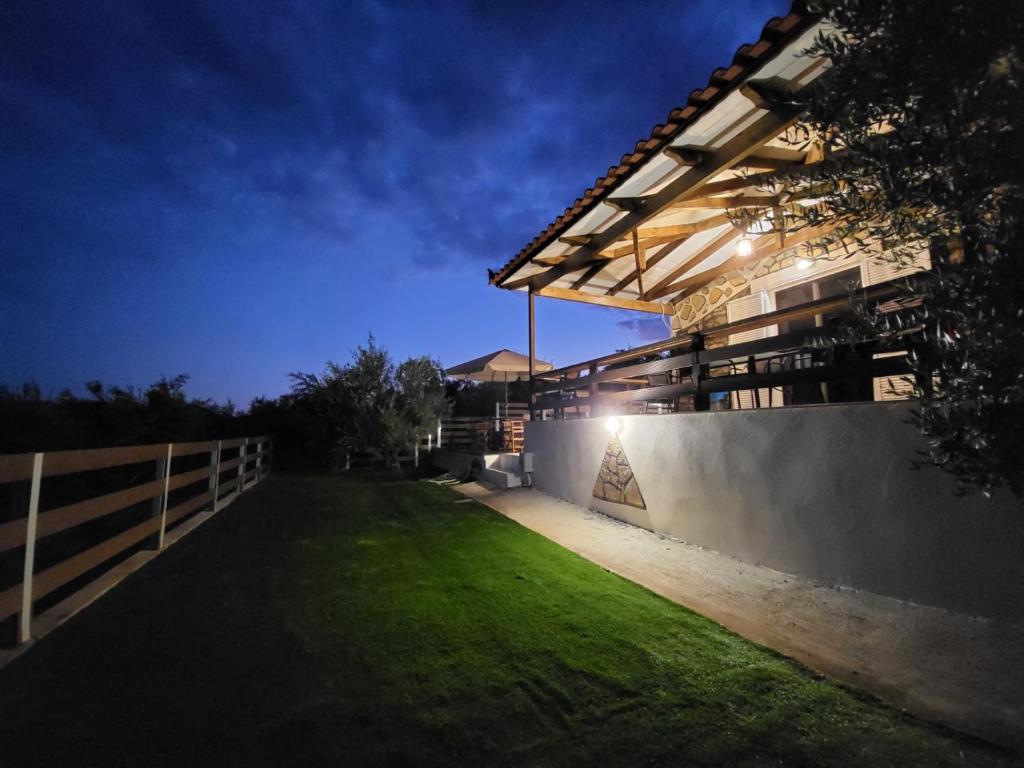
[374,621]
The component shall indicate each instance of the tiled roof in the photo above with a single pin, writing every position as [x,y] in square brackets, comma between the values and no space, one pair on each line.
[748,58]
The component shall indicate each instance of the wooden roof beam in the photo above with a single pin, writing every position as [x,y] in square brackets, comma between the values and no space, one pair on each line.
[650,237]
[764,94]
[761,162]
[657,308]
[682,230]
[746,142]
[575,239]
[653,259]
[587,276]
[641,264]
[627,250]
[665,286]
[765,246]
[548,261]
[626,204]
[721,203]
[687,156]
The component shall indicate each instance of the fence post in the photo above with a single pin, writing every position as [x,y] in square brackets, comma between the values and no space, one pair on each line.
[215,480]
[416,452]
[439,434]
[701,400]
[25,618]
[160,473]
[591,392]
[259,457]
[241,465]
[166,493]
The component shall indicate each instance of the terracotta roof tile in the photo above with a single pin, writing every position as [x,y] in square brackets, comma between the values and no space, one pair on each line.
[747,57]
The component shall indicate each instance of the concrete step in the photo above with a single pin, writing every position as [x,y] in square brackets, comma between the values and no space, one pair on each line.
[501,477]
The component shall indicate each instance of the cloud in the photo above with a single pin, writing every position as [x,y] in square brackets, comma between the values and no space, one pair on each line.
[647,328]
[164,154]
[462,128]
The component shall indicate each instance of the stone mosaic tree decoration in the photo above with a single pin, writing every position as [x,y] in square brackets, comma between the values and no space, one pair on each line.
[615,480]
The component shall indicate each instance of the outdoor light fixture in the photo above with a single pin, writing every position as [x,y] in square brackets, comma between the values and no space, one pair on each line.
[802,263]
[744,247]
[612,424]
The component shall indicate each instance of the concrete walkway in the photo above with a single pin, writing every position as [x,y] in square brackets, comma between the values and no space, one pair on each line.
[964,672]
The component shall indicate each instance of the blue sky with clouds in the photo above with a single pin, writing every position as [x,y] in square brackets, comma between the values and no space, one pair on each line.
[240,190]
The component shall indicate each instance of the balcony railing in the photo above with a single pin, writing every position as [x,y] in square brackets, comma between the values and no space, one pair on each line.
[684,372]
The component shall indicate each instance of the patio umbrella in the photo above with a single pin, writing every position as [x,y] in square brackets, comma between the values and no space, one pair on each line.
[503,365]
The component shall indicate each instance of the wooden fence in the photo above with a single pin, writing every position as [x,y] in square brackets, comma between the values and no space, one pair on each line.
[502,432]
[191,481]
[692,367]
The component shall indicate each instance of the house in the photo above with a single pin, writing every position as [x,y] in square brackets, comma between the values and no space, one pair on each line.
[659,234]
[748,430]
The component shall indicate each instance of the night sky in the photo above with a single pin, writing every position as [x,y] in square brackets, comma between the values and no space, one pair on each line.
[236,191]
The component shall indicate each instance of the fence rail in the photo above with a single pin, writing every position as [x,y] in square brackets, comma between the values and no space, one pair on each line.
[193,489]
[502,432]
[690,365]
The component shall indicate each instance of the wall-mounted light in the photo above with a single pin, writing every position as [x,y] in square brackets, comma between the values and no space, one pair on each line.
[744,247]
[612,424]
[802,263]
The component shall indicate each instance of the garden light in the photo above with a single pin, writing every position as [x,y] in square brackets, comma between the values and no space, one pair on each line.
[612,424]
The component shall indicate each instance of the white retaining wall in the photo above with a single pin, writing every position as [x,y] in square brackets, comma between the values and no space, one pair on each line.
[826,492]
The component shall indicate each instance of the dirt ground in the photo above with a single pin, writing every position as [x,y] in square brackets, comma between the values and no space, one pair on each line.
[964,672]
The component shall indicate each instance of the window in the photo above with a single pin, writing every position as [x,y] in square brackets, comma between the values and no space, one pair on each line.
[830,286]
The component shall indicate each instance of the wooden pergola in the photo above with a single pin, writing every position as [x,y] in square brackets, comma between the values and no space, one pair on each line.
[661,225]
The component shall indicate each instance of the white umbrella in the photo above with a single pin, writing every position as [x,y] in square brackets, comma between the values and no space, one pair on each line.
[503,365]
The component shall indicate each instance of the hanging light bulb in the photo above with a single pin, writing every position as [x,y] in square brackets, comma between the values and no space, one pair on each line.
[744,247]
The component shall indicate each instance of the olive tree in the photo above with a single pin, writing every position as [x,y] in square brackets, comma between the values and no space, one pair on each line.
[918,121]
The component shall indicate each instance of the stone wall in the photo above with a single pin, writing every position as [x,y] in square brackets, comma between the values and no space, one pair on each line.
[706,308]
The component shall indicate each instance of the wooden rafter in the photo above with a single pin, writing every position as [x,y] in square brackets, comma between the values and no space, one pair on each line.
[664,287]
[626,204]
[764,163]
[587,276]
[759,179]
[548,261]
[746,142]
[765,246]
[687,156]
[641,264]
[723,203]
[682,230]
[762,94]
[567,294]
[574,239]
[650,237]
[627,250]
[653,259]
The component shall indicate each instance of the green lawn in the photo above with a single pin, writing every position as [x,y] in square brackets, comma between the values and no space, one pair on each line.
[370,621]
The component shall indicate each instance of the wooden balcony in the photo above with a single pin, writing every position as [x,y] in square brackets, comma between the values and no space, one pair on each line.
[692,371]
